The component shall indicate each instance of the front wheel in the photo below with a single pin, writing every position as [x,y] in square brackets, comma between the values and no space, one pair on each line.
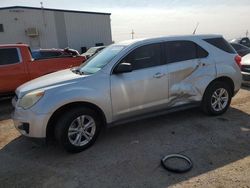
[217,98]
[77,129]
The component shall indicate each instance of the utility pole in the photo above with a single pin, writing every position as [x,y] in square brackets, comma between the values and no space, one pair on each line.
[132,34]
[44,23]
[247,33]
[43,14]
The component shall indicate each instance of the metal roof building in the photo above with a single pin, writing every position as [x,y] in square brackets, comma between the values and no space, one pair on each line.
[54,28]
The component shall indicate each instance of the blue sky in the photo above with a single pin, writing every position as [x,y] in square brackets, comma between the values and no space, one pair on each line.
[161,17]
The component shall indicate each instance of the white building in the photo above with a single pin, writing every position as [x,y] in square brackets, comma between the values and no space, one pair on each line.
[54,28]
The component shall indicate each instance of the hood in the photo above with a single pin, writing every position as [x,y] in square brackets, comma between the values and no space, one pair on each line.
[87,54]
[246,60]
[50,80]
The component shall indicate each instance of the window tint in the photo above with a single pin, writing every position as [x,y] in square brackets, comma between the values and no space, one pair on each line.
[222,44]
[236,46]
[36,54]
[201,53]
[144,57]
[46,54]
[8,56]
[184,50]
[50,54]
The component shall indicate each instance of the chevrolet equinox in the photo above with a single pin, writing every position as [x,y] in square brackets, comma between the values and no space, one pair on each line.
[127,81]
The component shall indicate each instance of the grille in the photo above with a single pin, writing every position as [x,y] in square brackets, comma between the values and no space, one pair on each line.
[16,98]
[245,68]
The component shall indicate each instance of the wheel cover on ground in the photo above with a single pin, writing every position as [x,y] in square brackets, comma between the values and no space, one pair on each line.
[81,130]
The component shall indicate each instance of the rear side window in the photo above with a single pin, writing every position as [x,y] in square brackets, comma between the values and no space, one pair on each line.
[46,55]
[145,56]
[201,53]
[222,44]
[8,56]
[50,54]
[36,55]
[183,51]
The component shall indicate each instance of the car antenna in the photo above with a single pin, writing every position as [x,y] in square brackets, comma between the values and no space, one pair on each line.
[197,25]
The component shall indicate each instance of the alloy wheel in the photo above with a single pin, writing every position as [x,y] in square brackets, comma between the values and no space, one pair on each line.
[219,99]
[81,130]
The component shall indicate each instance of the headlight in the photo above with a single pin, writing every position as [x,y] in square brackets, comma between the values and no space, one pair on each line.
[30,99]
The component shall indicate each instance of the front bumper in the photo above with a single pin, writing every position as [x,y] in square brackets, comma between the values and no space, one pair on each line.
[245,77]
[29,123]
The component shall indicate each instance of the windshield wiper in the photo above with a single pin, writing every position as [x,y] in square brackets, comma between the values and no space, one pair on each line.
[77,71]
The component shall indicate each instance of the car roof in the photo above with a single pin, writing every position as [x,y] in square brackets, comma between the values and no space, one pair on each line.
[48,50]
[14,45]
[177,37]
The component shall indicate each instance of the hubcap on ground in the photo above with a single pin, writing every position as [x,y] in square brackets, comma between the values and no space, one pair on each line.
[81,130]
[220,99]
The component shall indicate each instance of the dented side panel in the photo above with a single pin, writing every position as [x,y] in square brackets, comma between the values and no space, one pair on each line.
[188,80]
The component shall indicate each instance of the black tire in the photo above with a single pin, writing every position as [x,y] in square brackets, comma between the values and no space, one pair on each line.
[206,104]
[65,121]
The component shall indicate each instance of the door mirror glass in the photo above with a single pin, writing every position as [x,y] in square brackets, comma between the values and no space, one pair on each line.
[123,67]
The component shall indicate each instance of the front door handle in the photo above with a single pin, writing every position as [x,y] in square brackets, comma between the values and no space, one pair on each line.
[159,75]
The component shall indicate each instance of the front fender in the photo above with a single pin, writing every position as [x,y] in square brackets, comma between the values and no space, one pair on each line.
[56,98]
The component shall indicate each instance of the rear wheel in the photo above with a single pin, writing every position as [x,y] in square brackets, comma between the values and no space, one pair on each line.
[217,98]
[77,129]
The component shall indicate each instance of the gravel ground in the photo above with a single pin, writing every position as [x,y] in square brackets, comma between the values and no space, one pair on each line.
[129,155]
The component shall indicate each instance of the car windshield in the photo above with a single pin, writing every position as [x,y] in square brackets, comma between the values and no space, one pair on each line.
[97,62]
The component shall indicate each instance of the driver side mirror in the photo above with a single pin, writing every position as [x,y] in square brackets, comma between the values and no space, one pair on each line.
[123,68]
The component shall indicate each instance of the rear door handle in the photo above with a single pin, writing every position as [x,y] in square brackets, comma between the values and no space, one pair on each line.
[159,75]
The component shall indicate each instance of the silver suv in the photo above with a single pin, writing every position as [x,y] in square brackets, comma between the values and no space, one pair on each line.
[127,81]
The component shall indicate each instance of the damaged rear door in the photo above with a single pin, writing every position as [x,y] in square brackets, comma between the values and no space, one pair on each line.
[188,68]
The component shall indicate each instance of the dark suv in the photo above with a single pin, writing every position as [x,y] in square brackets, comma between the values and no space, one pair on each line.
[241,49]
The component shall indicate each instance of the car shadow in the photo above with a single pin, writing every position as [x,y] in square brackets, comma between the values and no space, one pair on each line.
[245,87]
[5,108]
[129,155]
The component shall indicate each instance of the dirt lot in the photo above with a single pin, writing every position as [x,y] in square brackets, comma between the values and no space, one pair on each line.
[129,155]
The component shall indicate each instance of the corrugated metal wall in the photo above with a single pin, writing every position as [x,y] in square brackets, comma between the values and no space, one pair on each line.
[17,21]
[87,29]
[82,29]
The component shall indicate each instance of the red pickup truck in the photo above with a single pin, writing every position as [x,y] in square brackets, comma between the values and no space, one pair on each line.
[17,66]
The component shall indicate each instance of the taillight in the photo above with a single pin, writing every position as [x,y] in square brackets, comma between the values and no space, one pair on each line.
[238,60]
